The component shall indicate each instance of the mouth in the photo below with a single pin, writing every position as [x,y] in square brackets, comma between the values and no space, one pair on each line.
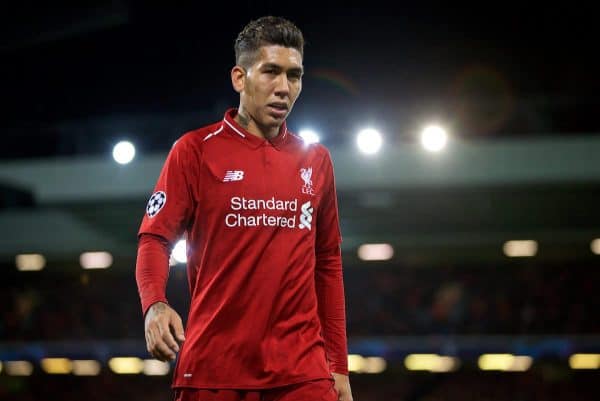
[278,108]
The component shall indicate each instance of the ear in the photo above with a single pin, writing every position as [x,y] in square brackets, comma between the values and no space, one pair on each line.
[238,78]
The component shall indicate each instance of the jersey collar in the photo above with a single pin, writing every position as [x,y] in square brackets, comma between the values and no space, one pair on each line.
[231,126]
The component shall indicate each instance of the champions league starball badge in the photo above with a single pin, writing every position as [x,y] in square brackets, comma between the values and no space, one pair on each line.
[156,203]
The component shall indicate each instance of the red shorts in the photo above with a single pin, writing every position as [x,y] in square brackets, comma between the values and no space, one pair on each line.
[315,390]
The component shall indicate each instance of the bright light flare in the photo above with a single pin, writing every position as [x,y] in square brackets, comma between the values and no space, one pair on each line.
[95,260]
[123,152]
[18,368]
[520,248]
[374,364]
[595,246]
[431,362]
[179,252]
[30,262]
[309,136]
[371,364]
[126,365]
[375,252]
[355,363]
[57,366]
[369,141]
[434,138]
[504,362]
[154,367]
[86,367]
[584,361]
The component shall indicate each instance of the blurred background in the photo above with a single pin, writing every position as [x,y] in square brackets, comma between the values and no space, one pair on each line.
[467,157]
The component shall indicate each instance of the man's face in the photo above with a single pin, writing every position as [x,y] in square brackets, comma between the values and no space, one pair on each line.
[272,85]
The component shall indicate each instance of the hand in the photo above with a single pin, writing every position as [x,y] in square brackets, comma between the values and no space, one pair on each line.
[162,326]
[342,386]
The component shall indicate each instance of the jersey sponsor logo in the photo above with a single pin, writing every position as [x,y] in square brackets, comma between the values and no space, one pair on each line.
[233,175]
[306,174]
[239,203]
[156,202]
[268,213]
[259,220]
[306,216]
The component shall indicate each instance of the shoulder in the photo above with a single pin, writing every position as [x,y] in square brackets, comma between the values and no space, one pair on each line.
[189,147]
[193,141]
[199,135]
[321,150]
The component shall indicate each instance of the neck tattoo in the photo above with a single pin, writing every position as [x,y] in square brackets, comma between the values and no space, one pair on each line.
[243,120]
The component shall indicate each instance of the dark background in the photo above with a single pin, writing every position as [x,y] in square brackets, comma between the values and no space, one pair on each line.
[487,70]
[77,77]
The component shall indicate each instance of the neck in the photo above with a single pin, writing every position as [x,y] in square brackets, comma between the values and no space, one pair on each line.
[244,119]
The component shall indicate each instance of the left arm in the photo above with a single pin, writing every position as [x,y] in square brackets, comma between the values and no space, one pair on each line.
[330,286]
[330,296]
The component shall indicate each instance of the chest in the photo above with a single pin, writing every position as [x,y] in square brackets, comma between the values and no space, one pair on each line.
[263,179]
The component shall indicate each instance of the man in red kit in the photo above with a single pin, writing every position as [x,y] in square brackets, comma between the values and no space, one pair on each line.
[258,208]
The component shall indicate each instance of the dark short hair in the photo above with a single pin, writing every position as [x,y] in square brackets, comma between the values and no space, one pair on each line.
[266,31]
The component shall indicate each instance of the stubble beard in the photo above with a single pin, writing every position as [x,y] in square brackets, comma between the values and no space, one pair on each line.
[244,119]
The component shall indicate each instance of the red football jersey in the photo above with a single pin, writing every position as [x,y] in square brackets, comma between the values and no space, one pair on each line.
[264,264]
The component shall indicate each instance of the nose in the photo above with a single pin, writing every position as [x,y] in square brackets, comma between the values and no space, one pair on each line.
[282,89]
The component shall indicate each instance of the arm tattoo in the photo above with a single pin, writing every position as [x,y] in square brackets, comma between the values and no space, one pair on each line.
[160,307]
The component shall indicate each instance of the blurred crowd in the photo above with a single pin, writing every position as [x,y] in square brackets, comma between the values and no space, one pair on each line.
[381,300]
[509,299]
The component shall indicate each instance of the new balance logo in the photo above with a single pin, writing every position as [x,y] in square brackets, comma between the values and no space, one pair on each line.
[233,175]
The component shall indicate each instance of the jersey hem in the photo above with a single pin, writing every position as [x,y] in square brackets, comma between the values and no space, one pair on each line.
[246,387]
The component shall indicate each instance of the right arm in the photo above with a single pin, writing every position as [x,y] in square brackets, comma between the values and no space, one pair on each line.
[162,325]
[167,216]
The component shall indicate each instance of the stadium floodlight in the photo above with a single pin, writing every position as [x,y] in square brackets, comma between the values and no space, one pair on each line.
[179,252]
[86,367]
[431,362]
[375,252]
[309,136]
[30,262]
[371,364]
[584,361]
[520,248]
[123,152]
[154,367]
[374,364]
[434,138]
[505,362]
[56,366]
[18,368]
[126,365]
[356,363]
[369,141]
[95,260]
[595,246]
